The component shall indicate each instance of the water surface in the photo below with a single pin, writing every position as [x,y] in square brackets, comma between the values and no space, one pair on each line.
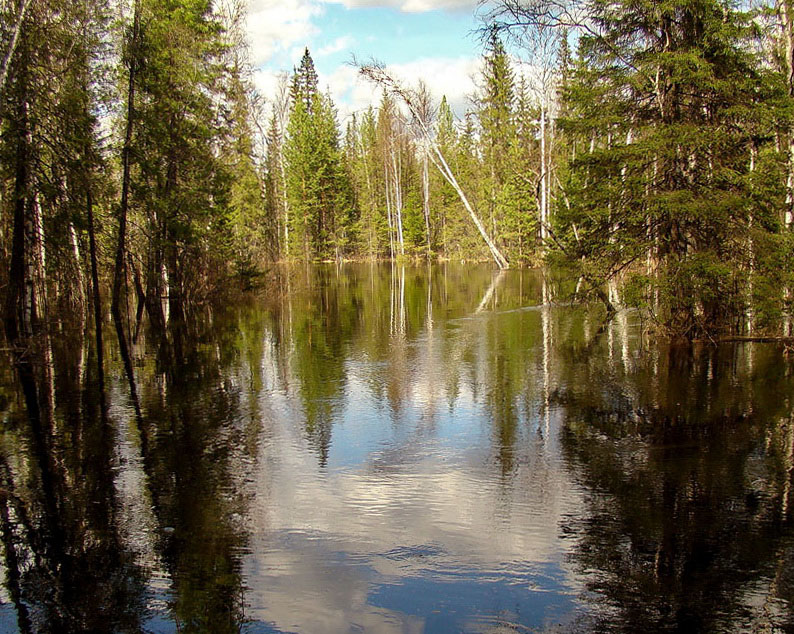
[399,449]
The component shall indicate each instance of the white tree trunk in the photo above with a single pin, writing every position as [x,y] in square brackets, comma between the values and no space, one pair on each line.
[426,198]
[448,175]
[387,175]
[543,193]
[13,44]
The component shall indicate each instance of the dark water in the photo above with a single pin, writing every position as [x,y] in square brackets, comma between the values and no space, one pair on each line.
[388,449]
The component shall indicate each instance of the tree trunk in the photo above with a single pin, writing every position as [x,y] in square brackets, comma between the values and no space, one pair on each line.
[20,309]
[121,247]
[38,283]
[89,204]
[543,193]
[426,199]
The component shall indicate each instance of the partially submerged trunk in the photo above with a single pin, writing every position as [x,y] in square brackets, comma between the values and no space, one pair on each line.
[119,273]
[97,299]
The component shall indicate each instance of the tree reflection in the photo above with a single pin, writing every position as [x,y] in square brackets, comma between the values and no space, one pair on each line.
[486,400]
[686,474]
[199,418]
[67,567]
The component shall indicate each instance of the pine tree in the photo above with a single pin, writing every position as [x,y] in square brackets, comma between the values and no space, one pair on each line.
[253,232]
[180,185]
[521,225]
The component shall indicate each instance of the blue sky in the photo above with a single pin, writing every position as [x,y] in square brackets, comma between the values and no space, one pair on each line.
[431,39]
[394,36]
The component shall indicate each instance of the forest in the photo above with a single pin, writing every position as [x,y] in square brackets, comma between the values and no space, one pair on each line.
[271,367]
[647,147]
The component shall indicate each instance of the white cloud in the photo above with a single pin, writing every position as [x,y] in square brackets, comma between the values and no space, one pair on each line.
[350,92]
[339,44]
[453,77]
[266,82]
[413,6]
[404,513]
[275,26]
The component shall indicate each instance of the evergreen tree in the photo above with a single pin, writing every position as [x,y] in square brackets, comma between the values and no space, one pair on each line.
[275,194]
[317,190]
[659,104]
[49,172]
[521,225]
[449,211]
[253,232]
[496,119]
[180,184]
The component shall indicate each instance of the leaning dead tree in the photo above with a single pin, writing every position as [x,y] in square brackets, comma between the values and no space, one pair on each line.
[376,73]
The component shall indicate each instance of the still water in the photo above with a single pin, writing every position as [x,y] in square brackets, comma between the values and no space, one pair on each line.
[397,449]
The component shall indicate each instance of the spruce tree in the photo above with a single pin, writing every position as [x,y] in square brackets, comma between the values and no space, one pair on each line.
[317,189]
[496,118]
[658,105]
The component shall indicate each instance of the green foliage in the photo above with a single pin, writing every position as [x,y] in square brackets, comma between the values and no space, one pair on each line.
[182,182]
[320,209]
[666,115]
[669,166]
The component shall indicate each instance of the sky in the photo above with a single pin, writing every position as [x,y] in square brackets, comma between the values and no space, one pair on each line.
[435,40]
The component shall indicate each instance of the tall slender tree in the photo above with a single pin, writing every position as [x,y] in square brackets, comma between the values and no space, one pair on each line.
[317,191]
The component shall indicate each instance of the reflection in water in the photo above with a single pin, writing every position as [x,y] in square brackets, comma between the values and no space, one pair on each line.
[398,449]
[689,466]
[66,567]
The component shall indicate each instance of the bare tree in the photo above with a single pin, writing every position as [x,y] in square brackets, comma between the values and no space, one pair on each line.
[423,128]
[519,17]
[281,106]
